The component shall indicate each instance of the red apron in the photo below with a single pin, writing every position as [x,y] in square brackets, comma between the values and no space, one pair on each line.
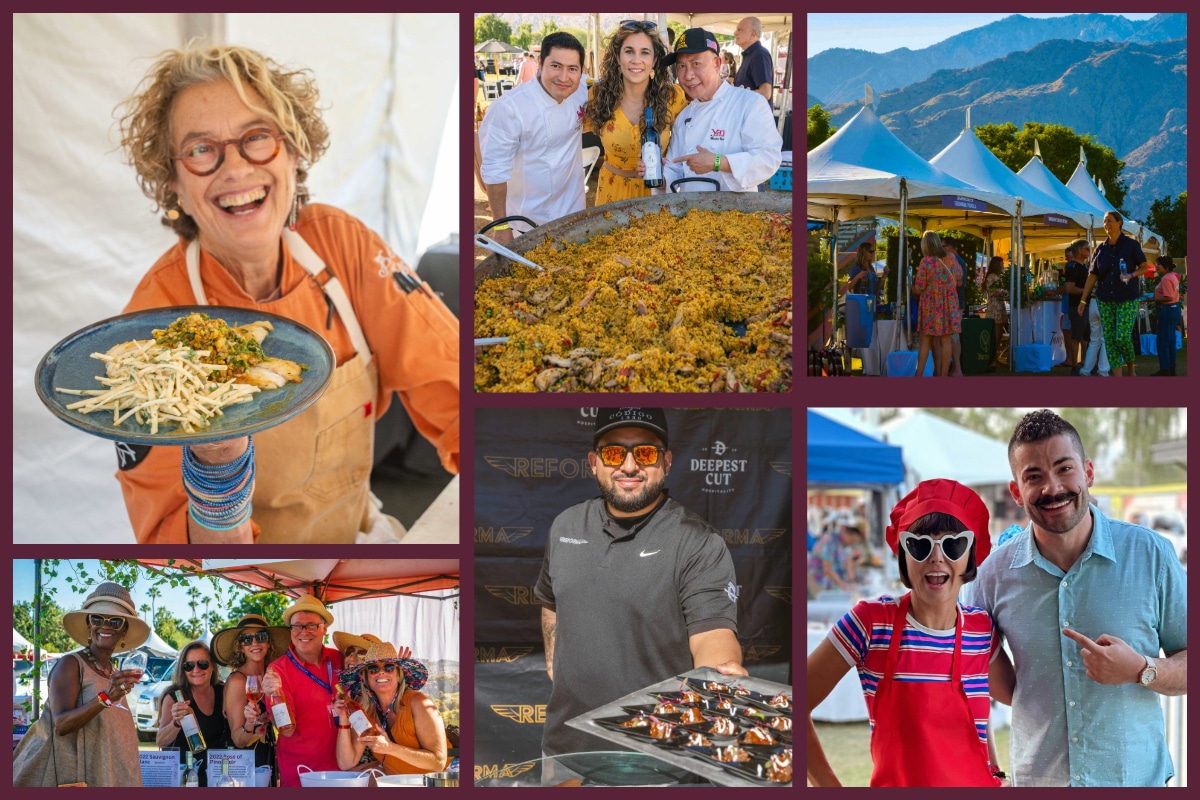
[925,732]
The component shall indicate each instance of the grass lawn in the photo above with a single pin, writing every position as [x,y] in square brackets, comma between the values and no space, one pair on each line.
[848,748]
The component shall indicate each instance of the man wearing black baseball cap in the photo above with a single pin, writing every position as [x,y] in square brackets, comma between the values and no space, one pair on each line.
[725,134]
[634,587]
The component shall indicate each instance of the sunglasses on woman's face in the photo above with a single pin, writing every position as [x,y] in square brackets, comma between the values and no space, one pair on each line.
[116,623]
[636,24]
[377,668]
[188,666]
[920,547]
[262,637]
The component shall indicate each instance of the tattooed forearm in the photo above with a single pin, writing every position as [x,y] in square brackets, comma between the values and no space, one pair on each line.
[549,629]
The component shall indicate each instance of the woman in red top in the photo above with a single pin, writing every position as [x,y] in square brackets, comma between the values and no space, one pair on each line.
[1166,296]
[926,688]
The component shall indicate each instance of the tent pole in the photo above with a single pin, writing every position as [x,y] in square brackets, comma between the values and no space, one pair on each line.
[37,637]
[903,260]
[786,102]
[833,250]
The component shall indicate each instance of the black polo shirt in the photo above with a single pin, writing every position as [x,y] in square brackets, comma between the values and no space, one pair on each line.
[1106,265]
[626,602]
[756,68]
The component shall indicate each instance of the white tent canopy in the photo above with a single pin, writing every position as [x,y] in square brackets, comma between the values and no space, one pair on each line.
[1081,184]
[84,235]
[20,643]
[156,646]
[858,171]
[937,448]
[969,160]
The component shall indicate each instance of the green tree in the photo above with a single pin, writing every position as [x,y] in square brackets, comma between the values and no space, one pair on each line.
[819,126]
[1168,218]
[269,605]
[169,627]
[1059,145]
[489,26]
[523,37]
[54,637]
[193,593]
[549,26]
[153,593]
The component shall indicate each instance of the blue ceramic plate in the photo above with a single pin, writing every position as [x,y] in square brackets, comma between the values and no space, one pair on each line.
[69,365]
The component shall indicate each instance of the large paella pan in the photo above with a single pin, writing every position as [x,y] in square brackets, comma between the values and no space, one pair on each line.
[681,293]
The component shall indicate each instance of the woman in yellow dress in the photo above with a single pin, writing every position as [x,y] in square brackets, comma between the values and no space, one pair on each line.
[631,79]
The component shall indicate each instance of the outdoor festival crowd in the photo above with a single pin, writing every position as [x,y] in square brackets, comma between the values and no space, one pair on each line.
[1100,301]
[289,698]
[714,121]
[1093,611]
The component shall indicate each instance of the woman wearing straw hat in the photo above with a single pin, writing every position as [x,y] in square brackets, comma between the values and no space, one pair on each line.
[414,740]
[248,647]
[354,649]
[203,696]
[88,736]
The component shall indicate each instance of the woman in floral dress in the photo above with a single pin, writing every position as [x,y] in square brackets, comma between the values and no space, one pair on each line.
[936,281]
[631,79]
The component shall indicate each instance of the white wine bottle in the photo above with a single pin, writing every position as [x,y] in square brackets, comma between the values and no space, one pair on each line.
[191,776]
[191,729]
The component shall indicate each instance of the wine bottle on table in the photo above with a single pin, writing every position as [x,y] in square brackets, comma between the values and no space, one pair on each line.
[226,780]
[651,153]
[281,715]
[358,716]
[191,776]
[191,729]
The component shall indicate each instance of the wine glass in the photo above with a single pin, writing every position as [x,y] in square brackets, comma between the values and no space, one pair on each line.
[135,662]
[254,694]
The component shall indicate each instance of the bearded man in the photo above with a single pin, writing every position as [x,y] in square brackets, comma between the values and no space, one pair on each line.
[1095,613]
[634,587]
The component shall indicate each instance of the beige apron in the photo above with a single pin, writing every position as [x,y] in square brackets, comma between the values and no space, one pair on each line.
[312,483]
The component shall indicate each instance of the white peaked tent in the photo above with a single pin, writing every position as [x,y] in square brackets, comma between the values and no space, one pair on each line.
[155,645]
[20,643]
[1081,184]
[863,170]
[937,448]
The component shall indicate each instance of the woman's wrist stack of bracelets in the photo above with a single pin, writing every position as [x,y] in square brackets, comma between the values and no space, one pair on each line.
[219,496]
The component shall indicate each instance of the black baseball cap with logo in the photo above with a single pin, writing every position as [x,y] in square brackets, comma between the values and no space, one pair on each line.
[651,419]
[693,40]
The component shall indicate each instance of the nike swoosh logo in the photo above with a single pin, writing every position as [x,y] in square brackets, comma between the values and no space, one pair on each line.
[643,554]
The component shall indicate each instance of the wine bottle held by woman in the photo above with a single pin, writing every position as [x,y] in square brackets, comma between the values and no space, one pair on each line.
[651,152]
[191,728]
[358,716]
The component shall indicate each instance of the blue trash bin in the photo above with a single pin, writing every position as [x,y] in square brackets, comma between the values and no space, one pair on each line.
[860,319]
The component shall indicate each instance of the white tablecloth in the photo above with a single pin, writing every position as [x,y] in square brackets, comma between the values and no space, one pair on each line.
[875,357]
[845,703]
[439,523]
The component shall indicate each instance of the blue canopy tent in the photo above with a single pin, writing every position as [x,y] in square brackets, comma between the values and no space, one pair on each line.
[839,456]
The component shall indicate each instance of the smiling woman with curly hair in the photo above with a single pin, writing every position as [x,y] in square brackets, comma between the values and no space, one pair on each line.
[632,78]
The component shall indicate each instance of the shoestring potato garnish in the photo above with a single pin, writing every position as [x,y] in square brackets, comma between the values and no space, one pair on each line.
[698,303]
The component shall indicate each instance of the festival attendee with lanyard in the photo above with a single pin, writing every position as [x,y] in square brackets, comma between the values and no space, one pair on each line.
[409,736]
[305,677]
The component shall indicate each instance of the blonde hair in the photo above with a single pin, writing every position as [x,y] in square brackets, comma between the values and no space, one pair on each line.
[287,98]
[864,258]
[931,245]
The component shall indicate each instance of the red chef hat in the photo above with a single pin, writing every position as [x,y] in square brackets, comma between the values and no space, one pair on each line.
[949,497]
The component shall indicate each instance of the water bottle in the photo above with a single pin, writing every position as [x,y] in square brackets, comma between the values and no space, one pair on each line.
[651,153]
[1124,272]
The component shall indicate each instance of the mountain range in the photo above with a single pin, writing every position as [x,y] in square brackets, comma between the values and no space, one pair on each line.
[1131,96]
[838,75]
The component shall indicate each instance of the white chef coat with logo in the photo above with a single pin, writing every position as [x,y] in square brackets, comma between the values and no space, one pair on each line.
[533,144]
[736,123]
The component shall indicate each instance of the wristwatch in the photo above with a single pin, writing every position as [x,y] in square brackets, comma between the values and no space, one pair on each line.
[1148,673]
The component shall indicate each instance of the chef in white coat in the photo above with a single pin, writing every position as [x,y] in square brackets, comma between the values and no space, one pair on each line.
[530,142]
[726,133]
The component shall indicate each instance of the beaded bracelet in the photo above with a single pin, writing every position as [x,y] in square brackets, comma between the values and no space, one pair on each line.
[219,496]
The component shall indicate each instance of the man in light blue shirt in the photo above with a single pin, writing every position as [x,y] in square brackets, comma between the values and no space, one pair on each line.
[1087,604]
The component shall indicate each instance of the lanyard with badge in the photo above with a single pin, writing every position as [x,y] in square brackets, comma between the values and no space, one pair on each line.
[327,684]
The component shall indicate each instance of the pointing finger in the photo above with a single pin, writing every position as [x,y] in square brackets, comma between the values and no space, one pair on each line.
[1078,638]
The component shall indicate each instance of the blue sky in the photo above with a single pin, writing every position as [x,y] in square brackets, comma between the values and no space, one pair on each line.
[880,33]
[174,599]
